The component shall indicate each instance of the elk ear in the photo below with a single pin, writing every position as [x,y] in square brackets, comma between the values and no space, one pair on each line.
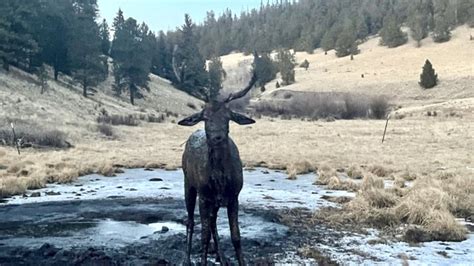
[191,120]
[241,119]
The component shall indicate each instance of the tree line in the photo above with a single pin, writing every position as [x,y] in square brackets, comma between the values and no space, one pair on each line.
[309,24]
[67,36]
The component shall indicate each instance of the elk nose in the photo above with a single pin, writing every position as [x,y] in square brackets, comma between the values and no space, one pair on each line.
[218,139]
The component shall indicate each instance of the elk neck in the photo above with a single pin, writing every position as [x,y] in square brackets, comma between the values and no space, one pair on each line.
[219,163]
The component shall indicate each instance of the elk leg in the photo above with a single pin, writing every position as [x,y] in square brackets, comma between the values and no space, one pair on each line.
[219,257]
[205,213]
[190,199]
[233,214]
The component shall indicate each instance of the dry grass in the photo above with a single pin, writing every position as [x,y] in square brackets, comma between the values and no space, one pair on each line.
[429,205]
[298,168]
[331,180]
[434,152]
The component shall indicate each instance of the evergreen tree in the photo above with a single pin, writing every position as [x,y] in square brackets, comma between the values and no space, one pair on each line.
[161,61]
[216,77]
[265,69]
[441,32]
[392,35]
[305,64]
[88,67]
[286,66]
[346,43]
[428,78]
[17,46]
[187,56]
[104,37]
[131,51]
[328,42]
[42,74]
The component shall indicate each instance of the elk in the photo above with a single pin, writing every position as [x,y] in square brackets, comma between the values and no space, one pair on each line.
[213,169]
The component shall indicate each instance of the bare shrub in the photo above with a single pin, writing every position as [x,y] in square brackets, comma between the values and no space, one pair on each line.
[106,130]
[379,107]
[33,136]
[354,107]
[322,105]
[127,120]
[155,119]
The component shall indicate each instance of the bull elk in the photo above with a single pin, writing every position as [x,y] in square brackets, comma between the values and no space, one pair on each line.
[213,169]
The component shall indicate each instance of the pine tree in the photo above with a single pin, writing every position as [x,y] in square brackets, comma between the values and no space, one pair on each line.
[216,77]
[265,69]
[305,64]
[131,51]
[193,65]
[104,37]
[346,43]
[392,35]
[428,78]
[42,74]
[286,66]
[88,67]
[441,32]
[17,46]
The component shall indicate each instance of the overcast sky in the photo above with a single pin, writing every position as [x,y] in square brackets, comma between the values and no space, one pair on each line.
[168,14]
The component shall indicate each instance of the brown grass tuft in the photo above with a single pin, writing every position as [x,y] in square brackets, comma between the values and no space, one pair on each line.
[379,170]
[355,172]
[299,168]
[370,181]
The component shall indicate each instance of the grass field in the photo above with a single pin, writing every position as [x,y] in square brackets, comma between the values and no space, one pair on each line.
[434,150]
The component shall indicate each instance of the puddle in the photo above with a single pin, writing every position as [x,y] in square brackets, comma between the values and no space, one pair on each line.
[139,216]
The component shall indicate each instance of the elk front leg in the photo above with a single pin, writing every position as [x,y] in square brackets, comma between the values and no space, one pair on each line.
[233,214]
[219,256]
[205,213]
[190,199]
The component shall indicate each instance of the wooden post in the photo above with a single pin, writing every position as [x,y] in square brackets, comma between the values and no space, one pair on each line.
[385,130]
[15,140]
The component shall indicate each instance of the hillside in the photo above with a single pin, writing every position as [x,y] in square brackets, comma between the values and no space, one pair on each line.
[274,143]
[393,72]
[62,106]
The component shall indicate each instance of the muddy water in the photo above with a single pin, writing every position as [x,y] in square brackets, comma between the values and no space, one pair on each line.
[138,218]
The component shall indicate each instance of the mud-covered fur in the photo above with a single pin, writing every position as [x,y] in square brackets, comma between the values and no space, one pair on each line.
[213,171]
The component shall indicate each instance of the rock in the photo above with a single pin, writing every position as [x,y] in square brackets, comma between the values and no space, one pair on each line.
[265,172]
[82,189]
[35,194]
[258,185]
[164,229]
[119,187]
[47,250]
[272,180]
[24,195]
[78,195]
[52,193]
[24,173]
[78,185]
[148,169]
[119,171]
[115,197]
[156,179]
[165,188]
[132,189]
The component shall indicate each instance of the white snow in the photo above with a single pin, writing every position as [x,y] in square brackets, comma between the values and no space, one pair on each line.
[264,189]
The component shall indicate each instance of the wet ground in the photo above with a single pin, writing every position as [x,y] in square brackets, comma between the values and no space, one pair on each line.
[138,218]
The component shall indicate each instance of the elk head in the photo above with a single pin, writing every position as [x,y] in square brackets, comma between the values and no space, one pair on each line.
[216,113]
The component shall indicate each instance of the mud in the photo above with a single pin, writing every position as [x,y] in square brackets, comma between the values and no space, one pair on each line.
[72,233]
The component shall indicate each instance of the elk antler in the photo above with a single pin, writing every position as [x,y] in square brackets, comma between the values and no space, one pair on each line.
[253,80]
[199,92]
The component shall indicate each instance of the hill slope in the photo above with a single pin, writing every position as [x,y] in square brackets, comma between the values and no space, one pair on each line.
[393,72]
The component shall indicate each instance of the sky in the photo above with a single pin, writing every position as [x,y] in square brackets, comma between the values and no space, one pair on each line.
[168,14]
